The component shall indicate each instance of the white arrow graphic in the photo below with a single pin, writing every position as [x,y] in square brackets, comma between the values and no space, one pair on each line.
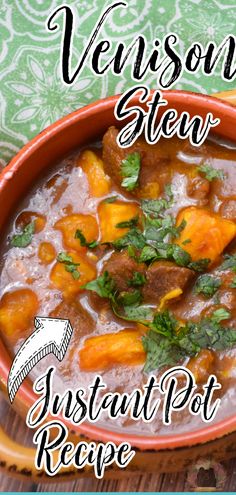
[51,335]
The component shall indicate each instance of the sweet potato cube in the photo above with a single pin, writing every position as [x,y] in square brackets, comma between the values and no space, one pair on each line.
[46,253]
[68,226]
[111,349]
[65,281]
[111,214]
[17,311]
[205,234]
[92,165]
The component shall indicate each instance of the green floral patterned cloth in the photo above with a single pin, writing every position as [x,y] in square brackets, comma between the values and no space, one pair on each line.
[31,92]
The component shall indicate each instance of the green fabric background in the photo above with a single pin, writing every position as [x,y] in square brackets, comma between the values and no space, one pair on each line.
[32,95]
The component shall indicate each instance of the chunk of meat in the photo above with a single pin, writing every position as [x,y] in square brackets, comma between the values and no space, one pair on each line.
[206,234]
[228,209]
[198,188]
[81,321]
[162,278]
[68,226]
[92,165]
[154,163]
[111,214]
[17,311]
[121,268]
[111,349]
[64,281]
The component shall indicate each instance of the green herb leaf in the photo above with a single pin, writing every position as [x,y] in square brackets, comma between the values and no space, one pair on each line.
[110,199]
[130,168]
[167,343]
[138,280]
[129,298]
[148,254]
[207,285]
[211,173]
[133,238]
[128,224]
[160,352]
[200,265]
[138,313]
[219,315]
[79,235]
[187,241]
[24,238]
[104,286]
[229,263]
[70,265]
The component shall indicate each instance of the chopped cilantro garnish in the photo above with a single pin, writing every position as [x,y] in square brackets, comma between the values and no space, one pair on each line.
[138,280]
[211,173]
[70,265]
[24,238]
[207,285]
[133,238]
[104,286]
[138,313]
[129,298]
[110,199]
[166,342]
[220,315]
[79,235]
[199,265]
[229,263]
[165,251]
[130,168]
[128,224]
[187,241]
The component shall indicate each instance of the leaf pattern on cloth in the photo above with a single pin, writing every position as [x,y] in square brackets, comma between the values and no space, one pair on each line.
[32,94]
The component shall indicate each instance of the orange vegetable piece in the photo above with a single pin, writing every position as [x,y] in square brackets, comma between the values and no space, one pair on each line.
[104,351]
[209,233]
[68,226]
[202,365]
[46,252]
[17,311]
[110,214]
[27,217]
[92,165]
[151,190]
[64,281]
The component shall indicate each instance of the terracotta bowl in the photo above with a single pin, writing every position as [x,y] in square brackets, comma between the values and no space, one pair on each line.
[156,453]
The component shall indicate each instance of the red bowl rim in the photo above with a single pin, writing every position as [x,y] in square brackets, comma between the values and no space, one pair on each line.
[25,395]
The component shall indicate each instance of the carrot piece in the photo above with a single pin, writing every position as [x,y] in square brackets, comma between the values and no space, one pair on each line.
[68,226]
[206,234]
[111,214]
[64,280]
[17,310]
[92,165]
[104,351]
[46,252]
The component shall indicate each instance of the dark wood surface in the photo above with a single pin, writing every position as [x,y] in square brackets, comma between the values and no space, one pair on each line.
[146,483]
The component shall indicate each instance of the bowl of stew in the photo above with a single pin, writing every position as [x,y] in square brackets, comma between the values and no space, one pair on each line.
[123,242]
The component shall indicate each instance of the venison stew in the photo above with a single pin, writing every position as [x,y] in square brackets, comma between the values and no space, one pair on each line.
[136,247]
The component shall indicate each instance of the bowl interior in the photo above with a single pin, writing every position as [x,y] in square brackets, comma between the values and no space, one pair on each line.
[60,139]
